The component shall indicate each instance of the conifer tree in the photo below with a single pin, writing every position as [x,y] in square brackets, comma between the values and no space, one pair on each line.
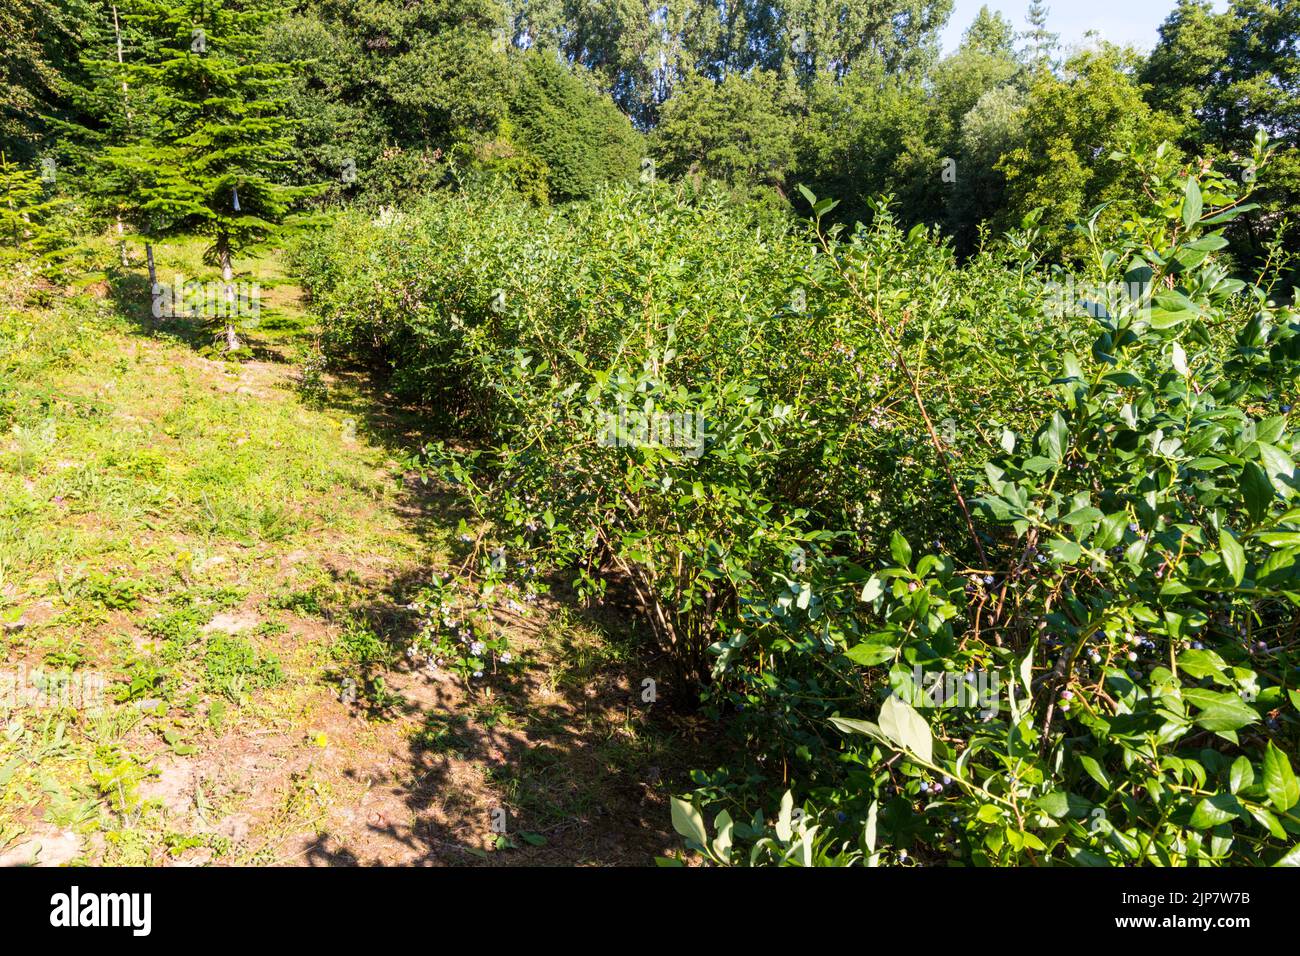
[24,209]
[1042,42]
[209,140]
[100,117]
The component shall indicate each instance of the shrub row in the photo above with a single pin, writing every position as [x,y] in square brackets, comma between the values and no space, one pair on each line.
[992,562]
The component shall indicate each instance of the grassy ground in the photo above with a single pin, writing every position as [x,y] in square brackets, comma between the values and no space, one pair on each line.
[231,553]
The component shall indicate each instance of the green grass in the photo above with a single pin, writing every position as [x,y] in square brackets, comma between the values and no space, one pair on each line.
[230,551]
[144,489]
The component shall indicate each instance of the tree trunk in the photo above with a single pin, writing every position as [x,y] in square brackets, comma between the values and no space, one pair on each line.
[117,31]
[153,271]
[17,237]
[227,275]
[126,106]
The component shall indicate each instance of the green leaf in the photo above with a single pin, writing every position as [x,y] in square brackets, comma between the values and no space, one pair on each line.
[1229,215]
[1208,243]
[1219,711]
[868,654]
[1086,517]
[1266,819]
[1163,318]
[1242,774]
[784,828]
[1279,467]
[1192,203]
[1234,556]
[1270,429]
[1066,552]
[1202,663]
[1027,672]
[1084,857]
[1094,770]
[1212,811]
[1280,539]
[900,722]
[1055,804]
[852,725]
[722,842]
[1291,858]
[900,550]
[1110,532]
[1256,489]
[9,769]
[1054,438]
[688,822]
[1279,780]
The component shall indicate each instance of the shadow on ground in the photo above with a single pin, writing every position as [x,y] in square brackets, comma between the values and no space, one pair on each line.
[267,336]
[562,762]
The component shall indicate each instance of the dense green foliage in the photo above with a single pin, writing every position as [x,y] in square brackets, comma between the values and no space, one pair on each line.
[42,42]
[741,130]
[645,54]
[383,99]
[580,137]
[1222,77]
[963,498]
[209,135]
[830,470]
[402,97]
[23,213]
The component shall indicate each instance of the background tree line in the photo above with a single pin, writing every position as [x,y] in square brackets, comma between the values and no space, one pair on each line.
[852,99]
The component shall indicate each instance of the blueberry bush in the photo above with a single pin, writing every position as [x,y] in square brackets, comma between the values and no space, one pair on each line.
[990,562]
